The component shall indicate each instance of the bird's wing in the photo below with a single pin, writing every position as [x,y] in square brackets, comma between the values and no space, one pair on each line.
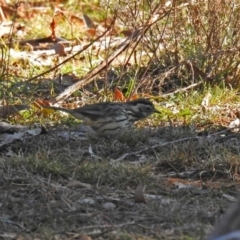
[97,111]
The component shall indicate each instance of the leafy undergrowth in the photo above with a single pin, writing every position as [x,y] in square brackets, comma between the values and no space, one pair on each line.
[83,188]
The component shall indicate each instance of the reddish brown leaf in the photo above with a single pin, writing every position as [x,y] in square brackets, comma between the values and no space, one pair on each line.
[41,103]
[53,26]
[133,97]
[118,95]
[126,33]
[91,32]
[77,20]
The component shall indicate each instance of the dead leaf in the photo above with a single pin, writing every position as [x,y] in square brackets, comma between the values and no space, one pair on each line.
[29,47]
[73,135]
[109,206]
[53,27]
[91,32]
[77,20]
[235,123]
[23,10]
[127,33]
[34,132]
[133,97]
[118,95]
[139,197]
[42,106]
[8,138]
[180,185]
[5,28]
[89,201]
[39,103]
[9,128]
[2,16]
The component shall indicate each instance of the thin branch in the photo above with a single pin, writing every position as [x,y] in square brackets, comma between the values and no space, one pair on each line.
[154,146]
[183,89]
[105,63]
[74,55]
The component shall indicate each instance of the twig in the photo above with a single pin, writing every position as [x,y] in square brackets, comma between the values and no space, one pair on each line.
[183,89]
[105,229]
[105,63]
[107,226]
[155,146]
[168,143]
[74,55]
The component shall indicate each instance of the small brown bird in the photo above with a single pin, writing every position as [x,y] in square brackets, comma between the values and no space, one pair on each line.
[109,118]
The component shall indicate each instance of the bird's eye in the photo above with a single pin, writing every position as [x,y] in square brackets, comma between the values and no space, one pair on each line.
[148,109]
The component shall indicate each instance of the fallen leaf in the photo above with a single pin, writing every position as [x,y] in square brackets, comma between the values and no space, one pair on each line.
[5,28]
[109,206]
[41,103]
[91,32]
[118,95]
[134,97]
[8,138]
[89,201]
[126,33]
[53,27]
[180,185]
[77,20]
[34,132]
[235,123]
[9,128]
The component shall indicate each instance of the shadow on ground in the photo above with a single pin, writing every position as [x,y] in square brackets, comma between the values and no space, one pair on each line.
[56,187]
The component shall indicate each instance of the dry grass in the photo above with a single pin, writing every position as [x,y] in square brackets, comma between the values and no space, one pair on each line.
[74,188]
[190,43]
[57,187]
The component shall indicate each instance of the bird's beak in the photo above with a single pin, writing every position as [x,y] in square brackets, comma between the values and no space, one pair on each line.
[156,111]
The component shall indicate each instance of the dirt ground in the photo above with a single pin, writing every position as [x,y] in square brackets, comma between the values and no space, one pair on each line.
[60,185]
